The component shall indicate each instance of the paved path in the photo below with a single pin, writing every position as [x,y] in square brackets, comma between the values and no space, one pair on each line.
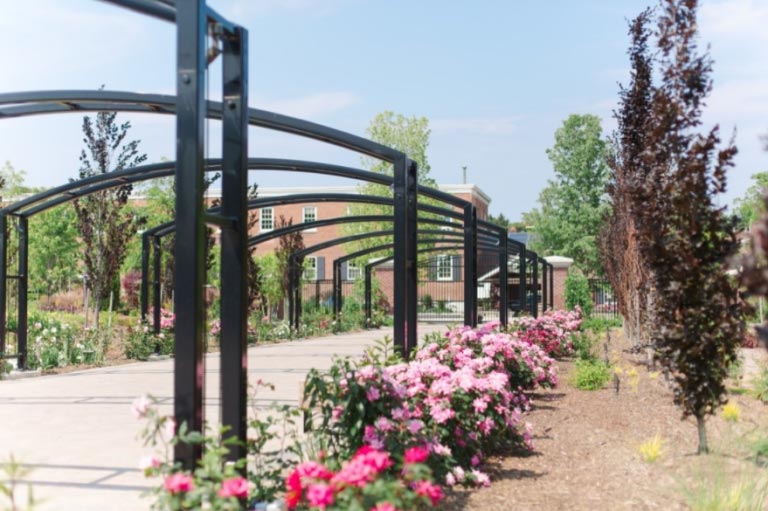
[76,432]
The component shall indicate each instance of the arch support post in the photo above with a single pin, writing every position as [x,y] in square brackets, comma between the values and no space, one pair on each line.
[544,285]
[405,241]
[367,296]
[234,242]
[157,299]
[470,265]
[3,282]
[189,306]
[21,327]
[144,275]
[336,290]
[503,278]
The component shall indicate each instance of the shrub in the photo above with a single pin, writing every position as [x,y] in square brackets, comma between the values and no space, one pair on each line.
[760,385]
[652,450]
[53,344]
[591,374]
[131,284]
[66,301]
[142,342]
[577,293]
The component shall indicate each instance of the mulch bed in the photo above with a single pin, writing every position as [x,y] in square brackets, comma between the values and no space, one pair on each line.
[587,447]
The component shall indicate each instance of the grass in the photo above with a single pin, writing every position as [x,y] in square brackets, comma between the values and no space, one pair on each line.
[715,491]
[652,449]
[731,412]
[591,374]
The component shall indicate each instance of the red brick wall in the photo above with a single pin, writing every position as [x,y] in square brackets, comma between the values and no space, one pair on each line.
[559,290]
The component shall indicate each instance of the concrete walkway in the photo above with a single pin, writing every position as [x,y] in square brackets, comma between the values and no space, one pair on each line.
[76,432]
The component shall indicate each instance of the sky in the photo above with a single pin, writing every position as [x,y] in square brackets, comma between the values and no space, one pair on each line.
[495,78]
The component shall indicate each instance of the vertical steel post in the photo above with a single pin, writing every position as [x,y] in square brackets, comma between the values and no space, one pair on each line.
[144,276]
[299,295]
[470,265]
[551,284]
[544,288]
[157,299]
[336,289]
[291,293]
[3,281]
[535,284]
[234,242]
[21,327]
[368,304]
[522,268]
[405,270]
[189,273]
[503,277]
[298,289]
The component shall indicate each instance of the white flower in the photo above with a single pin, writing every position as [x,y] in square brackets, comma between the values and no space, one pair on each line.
[140,407]
[169,428]
[38,325]
[149,461]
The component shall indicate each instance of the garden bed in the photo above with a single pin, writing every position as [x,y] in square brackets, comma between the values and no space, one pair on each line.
[587,449]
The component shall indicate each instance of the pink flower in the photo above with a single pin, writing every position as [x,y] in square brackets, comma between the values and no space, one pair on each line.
[314,470]
[475,460]
[149,462]
[383,424]
[169,428]
[234,487]
[140,406]
[384,506]
[179,483]
[450,480]
[320,495]
[481,479]
[429,490]
[372,394]
[416,455]
[414,426]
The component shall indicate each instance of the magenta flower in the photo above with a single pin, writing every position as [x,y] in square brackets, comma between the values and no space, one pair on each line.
[430,490]
[384,506]
[320,495]
[416,455]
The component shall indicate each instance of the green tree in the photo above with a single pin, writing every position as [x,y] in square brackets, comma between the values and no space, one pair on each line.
[104,223]
[500,220]
[14,180]
[686,238]
[409,135]
[750,207]
[572,206]
[54,249]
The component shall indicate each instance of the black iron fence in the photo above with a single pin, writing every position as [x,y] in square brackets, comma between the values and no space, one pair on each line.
[603,299]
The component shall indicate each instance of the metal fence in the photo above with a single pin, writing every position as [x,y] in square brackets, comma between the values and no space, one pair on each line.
[603,299]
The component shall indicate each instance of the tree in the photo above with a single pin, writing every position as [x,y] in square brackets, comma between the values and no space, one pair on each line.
[750,207]
[621,259]
[684,236]
[104,225]
[409,135]
[573,204]
[53,250]
[14,181]
[288,244]
[500,220]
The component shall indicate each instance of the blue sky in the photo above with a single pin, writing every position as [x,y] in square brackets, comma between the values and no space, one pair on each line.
[495,78]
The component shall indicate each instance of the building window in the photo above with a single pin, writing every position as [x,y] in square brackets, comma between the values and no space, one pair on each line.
[444,264]
[267,219]
[310,268]
[309,214]
[446,227]
[354,272]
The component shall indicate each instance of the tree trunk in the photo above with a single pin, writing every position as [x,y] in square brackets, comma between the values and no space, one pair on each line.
[702,427]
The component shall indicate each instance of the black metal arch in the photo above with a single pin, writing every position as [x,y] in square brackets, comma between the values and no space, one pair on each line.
[337,264]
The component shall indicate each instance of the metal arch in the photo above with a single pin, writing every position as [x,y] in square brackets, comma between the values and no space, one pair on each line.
[166,11]
[22,104]
[298,256]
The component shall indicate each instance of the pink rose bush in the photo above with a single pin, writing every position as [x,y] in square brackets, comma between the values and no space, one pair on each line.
[370,479]
[462,396]
[552,331]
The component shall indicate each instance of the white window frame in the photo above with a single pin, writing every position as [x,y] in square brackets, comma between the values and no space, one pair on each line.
[356,272]
[271,219]
[442,276]
[304,211]
[446,227]
[310,268]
